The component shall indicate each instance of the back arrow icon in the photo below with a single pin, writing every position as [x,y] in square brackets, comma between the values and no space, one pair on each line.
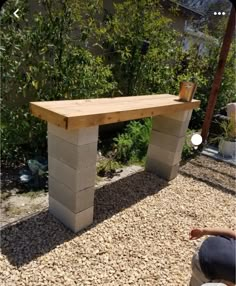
[15,13]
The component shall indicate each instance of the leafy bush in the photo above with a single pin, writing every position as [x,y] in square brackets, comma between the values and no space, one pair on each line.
[188,149]
[22,135]
[132,144]
[227,130]
[138,40]
[161,67]
[227,91]
[43,57]
[107,167]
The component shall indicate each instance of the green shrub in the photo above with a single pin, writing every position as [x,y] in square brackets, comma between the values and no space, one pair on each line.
[227,91]
[22,136]
[165,64]
[188,150]
[107,167]
[132,145]
[43,58]
[134,25]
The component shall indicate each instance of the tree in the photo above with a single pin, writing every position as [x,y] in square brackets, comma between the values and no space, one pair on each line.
[138,41]
[43,57]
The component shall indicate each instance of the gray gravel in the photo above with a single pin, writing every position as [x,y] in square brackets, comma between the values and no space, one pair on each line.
[139,235]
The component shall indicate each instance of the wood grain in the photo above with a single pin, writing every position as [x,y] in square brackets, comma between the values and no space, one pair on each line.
[74,114]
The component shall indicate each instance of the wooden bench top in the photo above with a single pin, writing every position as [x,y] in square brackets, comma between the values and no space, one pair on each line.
[74,114]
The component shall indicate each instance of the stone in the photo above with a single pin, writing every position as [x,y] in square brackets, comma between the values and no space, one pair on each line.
[162,169]
[166,141]
[179,116]
[163,155]
[170,126]
[75,156]
[76,180]
[78,137]
[74,221]
[75,201]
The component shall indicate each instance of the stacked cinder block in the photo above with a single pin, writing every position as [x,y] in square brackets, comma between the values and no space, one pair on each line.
[72,173]
[166,143]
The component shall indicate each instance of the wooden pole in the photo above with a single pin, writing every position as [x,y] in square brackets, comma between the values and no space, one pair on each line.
[219,74]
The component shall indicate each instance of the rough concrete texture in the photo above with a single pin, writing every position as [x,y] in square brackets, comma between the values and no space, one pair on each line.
[162,155]
[168,142]
[75,201]
[170,126]
[78,137]
[75,156]
[74,179]
[73,221]
[162,169]
[179,116]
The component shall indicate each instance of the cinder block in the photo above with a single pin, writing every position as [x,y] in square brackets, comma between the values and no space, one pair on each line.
[166,141]
[75,156]
[162,155]
[74,221]
[76,180]
[170,126]
[74,201]
[161,169]
[78,137]
[179,116]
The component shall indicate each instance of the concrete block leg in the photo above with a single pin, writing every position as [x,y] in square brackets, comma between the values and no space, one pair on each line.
[72,172]
[166,143]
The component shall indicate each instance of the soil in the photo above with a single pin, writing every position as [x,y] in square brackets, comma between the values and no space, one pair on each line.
[18,202]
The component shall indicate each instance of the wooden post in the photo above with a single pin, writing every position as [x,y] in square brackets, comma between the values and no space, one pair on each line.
[219,74]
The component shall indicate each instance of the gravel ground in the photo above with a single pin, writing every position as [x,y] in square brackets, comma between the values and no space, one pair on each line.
[139,235]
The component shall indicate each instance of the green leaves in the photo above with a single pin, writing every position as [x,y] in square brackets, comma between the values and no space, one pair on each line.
[133,23]
[46,60]
[132,144]
[35,84]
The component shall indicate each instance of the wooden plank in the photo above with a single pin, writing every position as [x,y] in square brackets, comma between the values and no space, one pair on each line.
[81,107]
[108,107]
[73,114]
[101,109]
[96,101]
[75,122]
[48,115]
[84,106]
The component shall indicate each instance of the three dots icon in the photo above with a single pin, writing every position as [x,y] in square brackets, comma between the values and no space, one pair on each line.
[219,13]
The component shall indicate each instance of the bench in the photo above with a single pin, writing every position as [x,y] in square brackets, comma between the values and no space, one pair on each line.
[72,145]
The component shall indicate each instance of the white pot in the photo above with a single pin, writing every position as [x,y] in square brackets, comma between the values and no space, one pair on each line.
[227,148]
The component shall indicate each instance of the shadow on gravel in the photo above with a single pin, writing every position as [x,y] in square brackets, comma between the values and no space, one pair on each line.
[32,237]
[216,170]
[211,175]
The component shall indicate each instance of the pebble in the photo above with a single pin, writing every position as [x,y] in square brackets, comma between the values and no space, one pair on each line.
[140,236]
